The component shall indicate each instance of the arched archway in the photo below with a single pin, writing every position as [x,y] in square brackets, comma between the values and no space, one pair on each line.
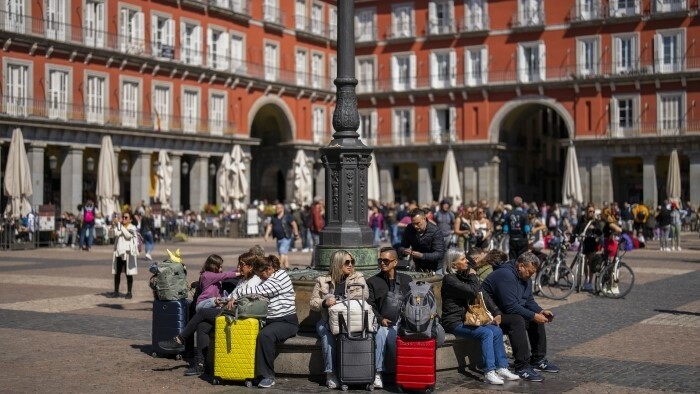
[533,130]
[273,124]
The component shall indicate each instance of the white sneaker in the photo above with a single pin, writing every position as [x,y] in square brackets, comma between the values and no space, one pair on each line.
[148,257]
[378,384]
[673,248]
[679,249]
[305,250]
[506,374]
[492,378]
[331,380]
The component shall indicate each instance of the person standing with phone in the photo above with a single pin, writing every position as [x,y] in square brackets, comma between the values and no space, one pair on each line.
[125,253]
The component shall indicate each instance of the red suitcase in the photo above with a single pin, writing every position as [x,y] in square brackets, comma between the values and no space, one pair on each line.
[415,364]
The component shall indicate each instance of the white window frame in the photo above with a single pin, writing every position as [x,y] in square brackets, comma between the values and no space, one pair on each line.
[271,11]
[661,6]
[450,73]
[130,116]
[398,130]
[217,116]
[238,60]
[94,23]
[437,134]
[525,74]
[18,104]
[16,15]
[476,15]
[162,37]
[365,24]
[366,83]
[588,67]
[319,124]
[271,63]
[300,10]
[317,22]
[318,69]
[56,19]
[191,42]
[471,77]
[190,117]
[58,92]
[132,31]
[332,71]
[444,25]
[95,106]
[218,51]
[162,119]
[677,60]
[531,12]
[616,12]
[671,126]
[400,27]
[629,129]
[618,66]
[368,132]
[587,10]
[302,67]
[397,78]
[332,22]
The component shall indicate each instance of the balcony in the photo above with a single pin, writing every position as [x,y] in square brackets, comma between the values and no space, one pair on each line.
[199,4]
[669,8]
[400,32]
[273,17]
[440,27]
[110,118]
[109,45]
[528,19]
[236,9]
[653,129]
[365,35]
[415,137]
[313,29]
[366,85]
[587,13]
[474,24]
[625,11]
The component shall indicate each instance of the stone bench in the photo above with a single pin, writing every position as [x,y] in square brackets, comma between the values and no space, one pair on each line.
[301,355]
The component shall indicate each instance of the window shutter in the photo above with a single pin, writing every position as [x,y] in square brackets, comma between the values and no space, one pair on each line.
[614,117]
[434,131]
[453,68]
[658,52]
[453,124]
[170,33]
[123,21]
[522,64]
[183,41]
[433,68]
[432,18]
[580,61]
[155,45]
[210,47]
[224,50]
[99,24]
[140,30]
[636,115]
[198,45]
[484,65]
[373,126]
[543,62]
[412,70]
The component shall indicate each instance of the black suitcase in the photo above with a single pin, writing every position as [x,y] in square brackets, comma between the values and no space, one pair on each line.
[355,356]
[169,319]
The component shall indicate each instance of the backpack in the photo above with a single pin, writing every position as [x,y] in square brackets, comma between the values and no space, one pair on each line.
[419,312]
[170,281]
[89,216]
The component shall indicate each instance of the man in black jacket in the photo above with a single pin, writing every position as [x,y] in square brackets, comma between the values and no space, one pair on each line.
[386,291]
[424,242]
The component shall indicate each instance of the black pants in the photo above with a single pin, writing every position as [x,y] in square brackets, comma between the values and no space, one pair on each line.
[516,246]
[202,322]
[121,267]
[523,335]
[275,331]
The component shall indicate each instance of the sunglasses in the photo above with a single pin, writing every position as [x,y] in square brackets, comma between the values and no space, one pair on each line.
[385,261]
[349,263]
[125,217]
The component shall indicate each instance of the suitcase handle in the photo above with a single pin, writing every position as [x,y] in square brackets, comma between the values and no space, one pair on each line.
[365,317]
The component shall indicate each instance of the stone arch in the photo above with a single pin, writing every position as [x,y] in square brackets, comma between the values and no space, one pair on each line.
[281,105]
[509,107]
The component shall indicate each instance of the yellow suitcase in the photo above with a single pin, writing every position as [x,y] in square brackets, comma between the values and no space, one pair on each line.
[234,349]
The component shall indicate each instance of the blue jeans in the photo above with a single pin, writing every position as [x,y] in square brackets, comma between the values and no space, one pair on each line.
[327,344]
[148,241]
[377,235]
[493,353]
[385,339]
[394,231]
[88,228]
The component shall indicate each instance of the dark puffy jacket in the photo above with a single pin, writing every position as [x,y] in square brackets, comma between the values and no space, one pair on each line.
[379,287]
[459,291]
[431,243]
[511,294]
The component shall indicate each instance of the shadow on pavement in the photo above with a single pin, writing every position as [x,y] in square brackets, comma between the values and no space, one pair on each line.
[673,312]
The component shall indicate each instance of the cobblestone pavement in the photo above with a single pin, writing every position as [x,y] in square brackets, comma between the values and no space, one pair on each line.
[60,333]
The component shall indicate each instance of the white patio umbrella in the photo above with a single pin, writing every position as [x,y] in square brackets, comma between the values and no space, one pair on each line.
[164,175]
[107,180]
[302,179]
[449,187]
[18,177]
[571,188]
[239,179]
[373,181]
[673,181]
[223,181]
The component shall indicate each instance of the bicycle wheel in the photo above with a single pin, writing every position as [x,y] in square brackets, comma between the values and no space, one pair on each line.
[616,281]
[556,281]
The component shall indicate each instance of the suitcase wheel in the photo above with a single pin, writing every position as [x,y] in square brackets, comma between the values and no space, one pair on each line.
[249,383]
[344,387]
[154,354]
[370,387]
[178,357]
[215,381]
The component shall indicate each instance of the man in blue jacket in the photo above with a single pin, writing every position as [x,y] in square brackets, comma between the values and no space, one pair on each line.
[510,287]
[517,226]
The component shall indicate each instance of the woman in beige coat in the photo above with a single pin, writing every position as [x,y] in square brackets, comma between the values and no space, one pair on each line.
[341,274]
[125,253]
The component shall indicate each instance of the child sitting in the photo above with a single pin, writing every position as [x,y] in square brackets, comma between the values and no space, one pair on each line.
[210,278]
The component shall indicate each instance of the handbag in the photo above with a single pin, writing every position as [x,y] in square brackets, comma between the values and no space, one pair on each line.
[249,306]
[477,313]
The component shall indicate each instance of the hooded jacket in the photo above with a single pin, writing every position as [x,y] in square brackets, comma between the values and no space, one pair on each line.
[512,295]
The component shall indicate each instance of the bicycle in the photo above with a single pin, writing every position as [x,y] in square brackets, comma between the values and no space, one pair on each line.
[615,278]
[579,263]
[555,280]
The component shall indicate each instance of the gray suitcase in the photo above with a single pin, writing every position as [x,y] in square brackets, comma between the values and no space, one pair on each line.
[355,356]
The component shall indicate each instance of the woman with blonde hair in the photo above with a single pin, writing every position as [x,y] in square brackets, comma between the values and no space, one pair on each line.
[335,284]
